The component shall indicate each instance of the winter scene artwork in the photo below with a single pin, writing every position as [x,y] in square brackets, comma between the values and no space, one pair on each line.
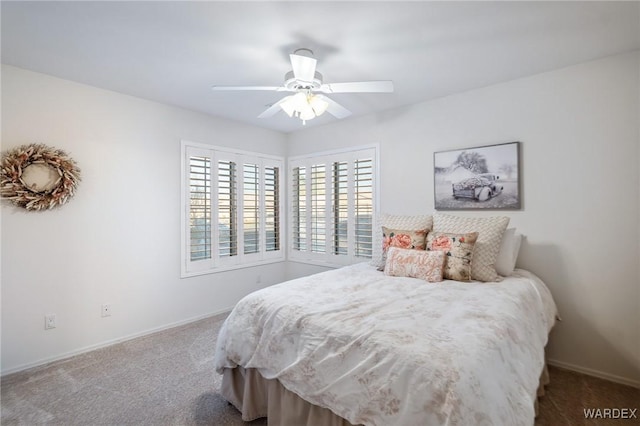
[485,177]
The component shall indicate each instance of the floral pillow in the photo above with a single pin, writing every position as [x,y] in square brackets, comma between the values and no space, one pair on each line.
[405,239]
[426,265]
[487,246]
[394,221]
[458,249]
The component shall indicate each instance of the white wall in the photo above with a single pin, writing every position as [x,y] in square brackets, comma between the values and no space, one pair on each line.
[118,240]
[579,129]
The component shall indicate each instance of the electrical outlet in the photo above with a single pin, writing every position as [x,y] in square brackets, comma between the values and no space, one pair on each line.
[106,310]
[50,321]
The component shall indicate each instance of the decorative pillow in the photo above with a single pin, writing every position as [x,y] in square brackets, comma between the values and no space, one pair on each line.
[485,253]
[401,238]
[426,265]
[508,255]
[419,222]
[458,249]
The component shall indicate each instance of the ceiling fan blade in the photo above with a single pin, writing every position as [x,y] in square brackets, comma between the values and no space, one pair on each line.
[334,108]
[384,86]
[269,88]
[304,67]
[273,109]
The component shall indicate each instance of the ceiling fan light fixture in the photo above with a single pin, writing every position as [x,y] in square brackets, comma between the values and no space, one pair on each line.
[304,106]
[318,105]
[287,106]
[299,101]
[307,113]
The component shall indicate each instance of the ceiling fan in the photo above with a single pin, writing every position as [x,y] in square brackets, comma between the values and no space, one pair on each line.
[308,100]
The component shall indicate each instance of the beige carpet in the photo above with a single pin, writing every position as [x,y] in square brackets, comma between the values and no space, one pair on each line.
[168,379]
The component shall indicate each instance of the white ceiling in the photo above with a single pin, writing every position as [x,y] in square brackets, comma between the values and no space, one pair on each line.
[173,52]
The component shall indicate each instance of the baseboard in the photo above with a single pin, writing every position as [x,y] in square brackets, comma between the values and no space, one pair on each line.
[552,362]
[594,373]
[110,342]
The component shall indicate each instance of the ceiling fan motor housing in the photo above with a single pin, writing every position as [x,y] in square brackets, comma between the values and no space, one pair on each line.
[293,84]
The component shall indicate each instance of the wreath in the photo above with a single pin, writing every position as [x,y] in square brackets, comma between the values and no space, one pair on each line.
[38,177]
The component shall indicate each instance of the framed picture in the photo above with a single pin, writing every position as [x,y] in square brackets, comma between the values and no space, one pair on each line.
[485,177]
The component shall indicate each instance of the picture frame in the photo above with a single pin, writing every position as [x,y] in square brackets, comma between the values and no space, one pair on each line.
[478,178]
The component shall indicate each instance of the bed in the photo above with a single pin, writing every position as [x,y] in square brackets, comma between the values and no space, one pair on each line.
[355,346]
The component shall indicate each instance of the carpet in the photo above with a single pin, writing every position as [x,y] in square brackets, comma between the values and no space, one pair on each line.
[168,378]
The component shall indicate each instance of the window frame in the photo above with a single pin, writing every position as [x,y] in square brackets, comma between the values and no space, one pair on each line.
[349,155]
[217,263]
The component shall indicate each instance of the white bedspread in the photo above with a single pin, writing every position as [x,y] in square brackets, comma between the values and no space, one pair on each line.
[381,350]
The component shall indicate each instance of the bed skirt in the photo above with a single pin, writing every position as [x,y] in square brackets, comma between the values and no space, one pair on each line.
[256,397]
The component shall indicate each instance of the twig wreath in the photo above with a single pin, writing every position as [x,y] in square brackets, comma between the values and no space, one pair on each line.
[38,177]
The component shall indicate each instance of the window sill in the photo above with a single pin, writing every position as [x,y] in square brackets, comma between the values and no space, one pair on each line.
[324,263]
[228,268]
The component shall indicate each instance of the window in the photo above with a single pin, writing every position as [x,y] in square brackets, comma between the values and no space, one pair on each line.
[232,209]
[332,206]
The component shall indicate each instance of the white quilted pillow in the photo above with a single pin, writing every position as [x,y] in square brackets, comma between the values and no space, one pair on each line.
[406,223]
[485,252]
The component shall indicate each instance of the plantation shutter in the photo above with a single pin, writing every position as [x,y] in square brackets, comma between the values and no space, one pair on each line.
[272,208]
[251,208]
[299,198]
[332,207]
[199,208]
[227,216]
[318,208]
[340,208]
[363,177]
[232,215]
